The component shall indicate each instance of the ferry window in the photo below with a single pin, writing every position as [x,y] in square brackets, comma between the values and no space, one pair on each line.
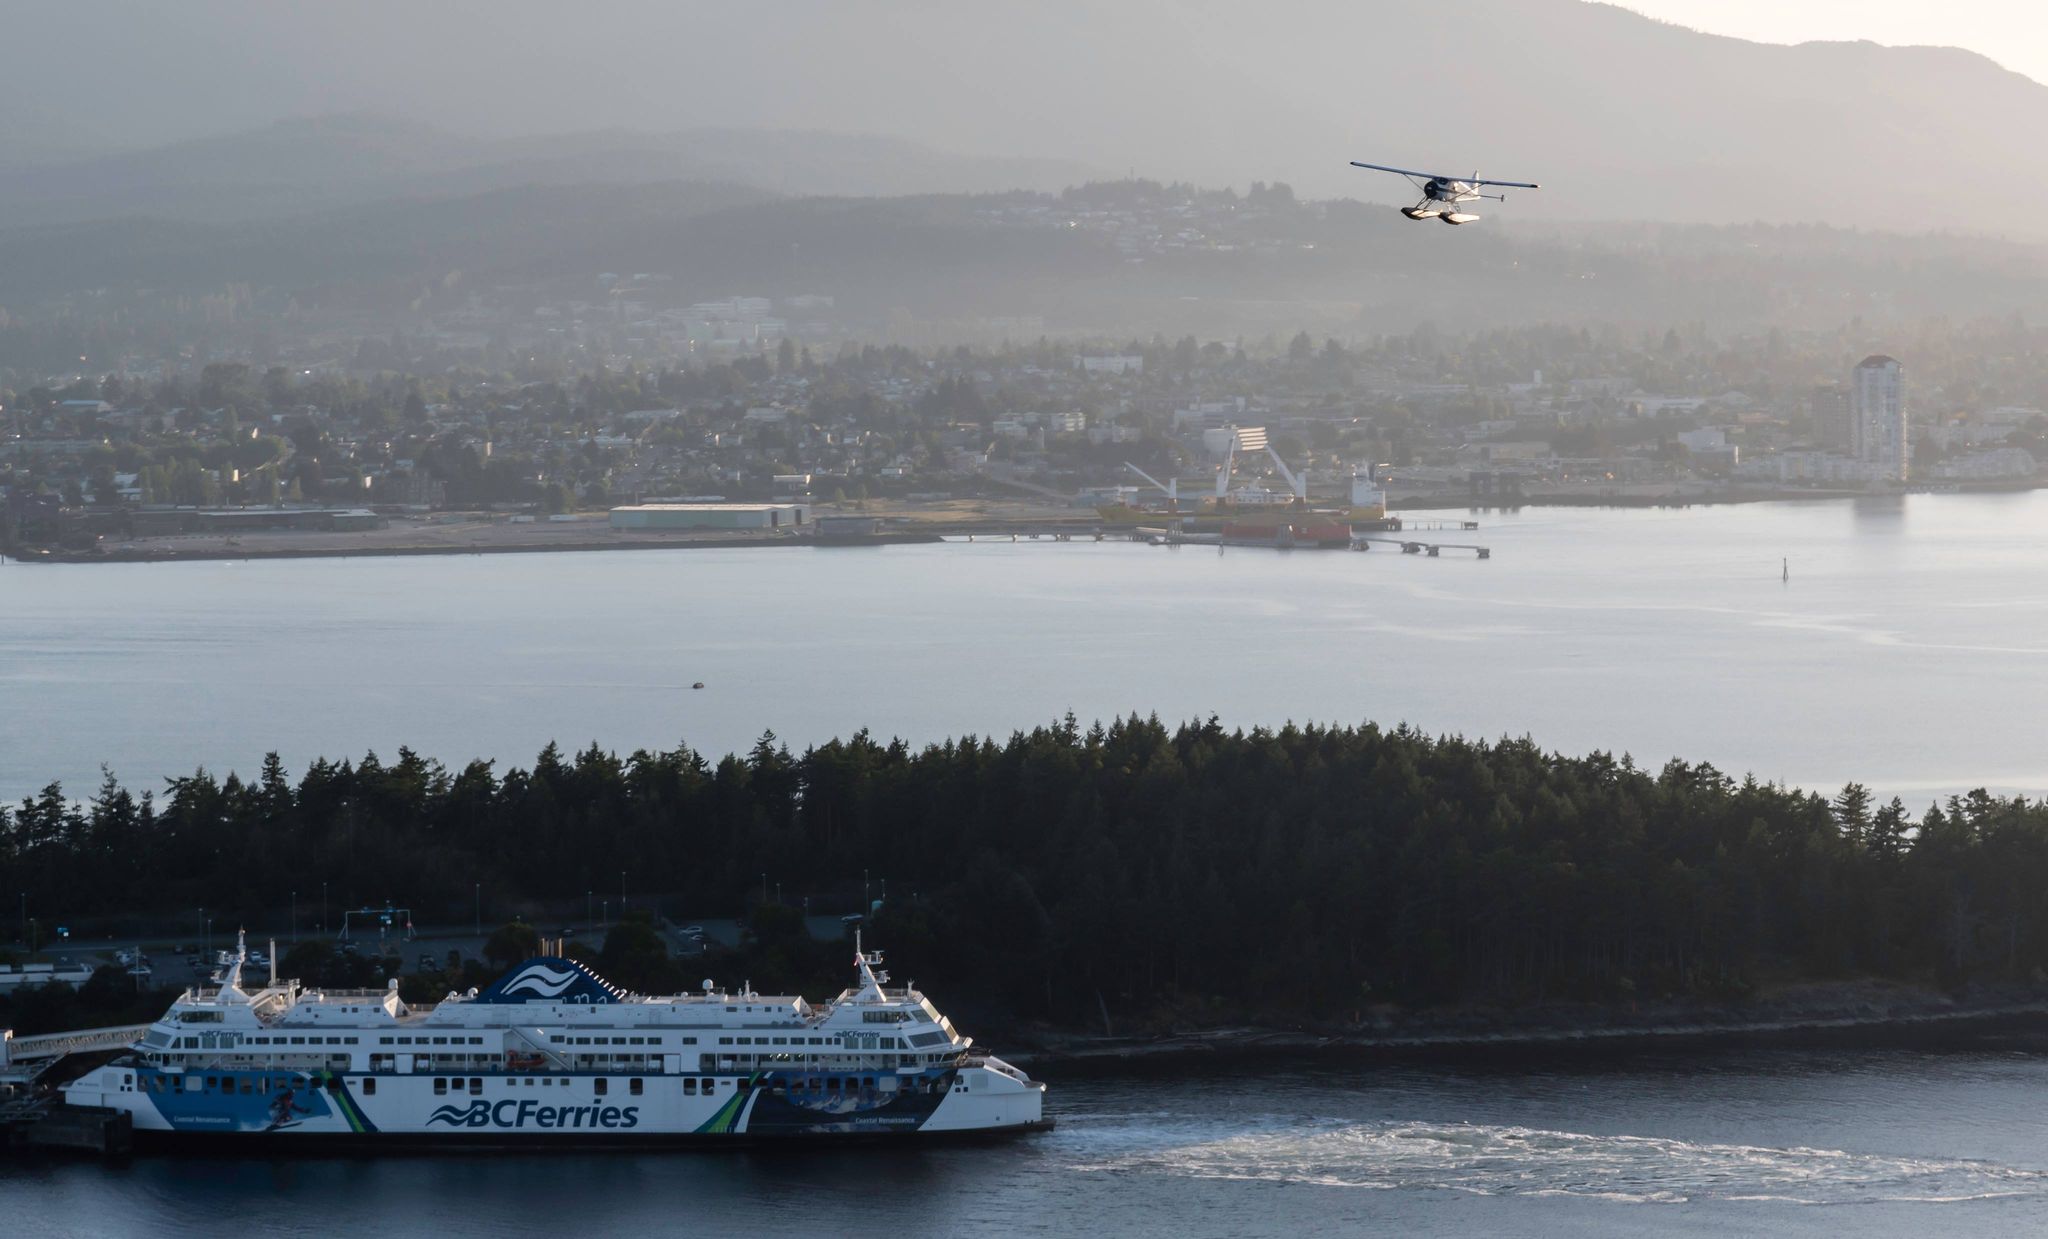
[633,1086]
[725,1041]
[601,1086]
[248,1085]
[709,1085]
[476,1086]
[690,1087]
[370,1086]
[348,1040]
[582,1041]
[546,1083]
[440,1041]
[782,1041]
[743,1084]
[298,1041]
[440,1086]
[689,1041]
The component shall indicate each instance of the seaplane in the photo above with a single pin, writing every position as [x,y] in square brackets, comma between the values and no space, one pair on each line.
[1443,194]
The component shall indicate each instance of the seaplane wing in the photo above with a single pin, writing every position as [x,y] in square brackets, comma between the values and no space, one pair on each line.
[1380,167]
[1445,176]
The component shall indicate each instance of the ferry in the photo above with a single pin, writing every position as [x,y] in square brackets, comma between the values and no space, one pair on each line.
[550,1054]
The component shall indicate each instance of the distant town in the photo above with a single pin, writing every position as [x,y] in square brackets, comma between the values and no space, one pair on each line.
[649,402]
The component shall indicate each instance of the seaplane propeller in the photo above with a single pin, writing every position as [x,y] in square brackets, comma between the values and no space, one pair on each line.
[1443,194]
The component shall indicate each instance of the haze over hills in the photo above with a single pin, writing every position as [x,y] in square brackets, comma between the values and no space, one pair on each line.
[963,262]
[1621,117]
[304,166]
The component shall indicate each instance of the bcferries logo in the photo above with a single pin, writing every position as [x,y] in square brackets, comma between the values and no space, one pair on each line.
[530,1113]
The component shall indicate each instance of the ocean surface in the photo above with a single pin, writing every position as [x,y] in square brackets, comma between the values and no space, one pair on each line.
[1788,1142]
[1907,650]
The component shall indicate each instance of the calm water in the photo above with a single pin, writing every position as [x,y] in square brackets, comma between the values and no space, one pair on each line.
[1877,1143]
[1907,650]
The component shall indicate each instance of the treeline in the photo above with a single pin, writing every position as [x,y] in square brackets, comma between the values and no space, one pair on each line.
[1130,868]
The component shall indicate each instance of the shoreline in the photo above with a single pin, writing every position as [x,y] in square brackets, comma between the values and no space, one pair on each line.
[216,554]
[1850,1015]
[1450,500]
[1060,525]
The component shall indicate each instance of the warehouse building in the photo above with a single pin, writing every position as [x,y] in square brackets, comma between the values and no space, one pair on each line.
[712,516]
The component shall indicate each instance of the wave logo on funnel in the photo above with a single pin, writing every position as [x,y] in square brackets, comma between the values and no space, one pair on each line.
[541,981]
[552,979]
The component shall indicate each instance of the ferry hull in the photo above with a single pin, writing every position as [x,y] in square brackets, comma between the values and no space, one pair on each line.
[292,1110]
[352,1144]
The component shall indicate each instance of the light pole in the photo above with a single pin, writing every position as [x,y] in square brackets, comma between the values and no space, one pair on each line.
[604,907]
[295,917]
[323,909]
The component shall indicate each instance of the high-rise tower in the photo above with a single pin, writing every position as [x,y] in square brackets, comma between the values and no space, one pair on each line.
[1877,417]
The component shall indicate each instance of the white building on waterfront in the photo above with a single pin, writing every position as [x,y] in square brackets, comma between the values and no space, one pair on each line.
[1877,417]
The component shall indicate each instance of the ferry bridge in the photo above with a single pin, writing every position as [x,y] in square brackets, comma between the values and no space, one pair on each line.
[22,1058]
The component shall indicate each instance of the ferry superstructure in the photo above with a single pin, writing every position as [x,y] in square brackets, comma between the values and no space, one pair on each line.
[553,1053]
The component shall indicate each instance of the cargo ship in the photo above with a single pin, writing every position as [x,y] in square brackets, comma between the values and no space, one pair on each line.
[553,1054]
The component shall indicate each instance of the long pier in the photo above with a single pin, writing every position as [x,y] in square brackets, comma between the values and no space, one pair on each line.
[1410,546]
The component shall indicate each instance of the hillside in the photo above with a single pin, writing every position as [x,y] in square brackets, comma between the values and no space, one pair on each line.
[303,166]
[1621,117]
[1068,259]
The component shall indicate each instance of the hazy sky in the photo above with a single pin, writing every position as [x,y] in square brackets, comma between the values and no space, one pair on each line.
[2012,32]
[131,73]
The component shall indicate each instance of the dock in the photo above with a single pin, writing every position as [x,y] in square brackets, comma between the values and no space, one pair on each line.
[1410,546]
[35,1124]
[33,1119]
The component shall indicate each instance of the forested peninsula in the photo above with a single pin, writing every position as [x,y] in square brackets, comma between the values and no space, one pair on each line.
[1130,875]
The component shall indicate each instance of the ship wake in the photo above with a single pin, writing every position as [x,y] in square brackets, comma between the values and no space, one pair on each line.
[1502,1161]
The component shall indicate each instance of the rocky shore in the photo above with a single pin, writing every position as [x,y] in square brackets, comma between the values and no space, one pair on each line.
[1844,1012]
